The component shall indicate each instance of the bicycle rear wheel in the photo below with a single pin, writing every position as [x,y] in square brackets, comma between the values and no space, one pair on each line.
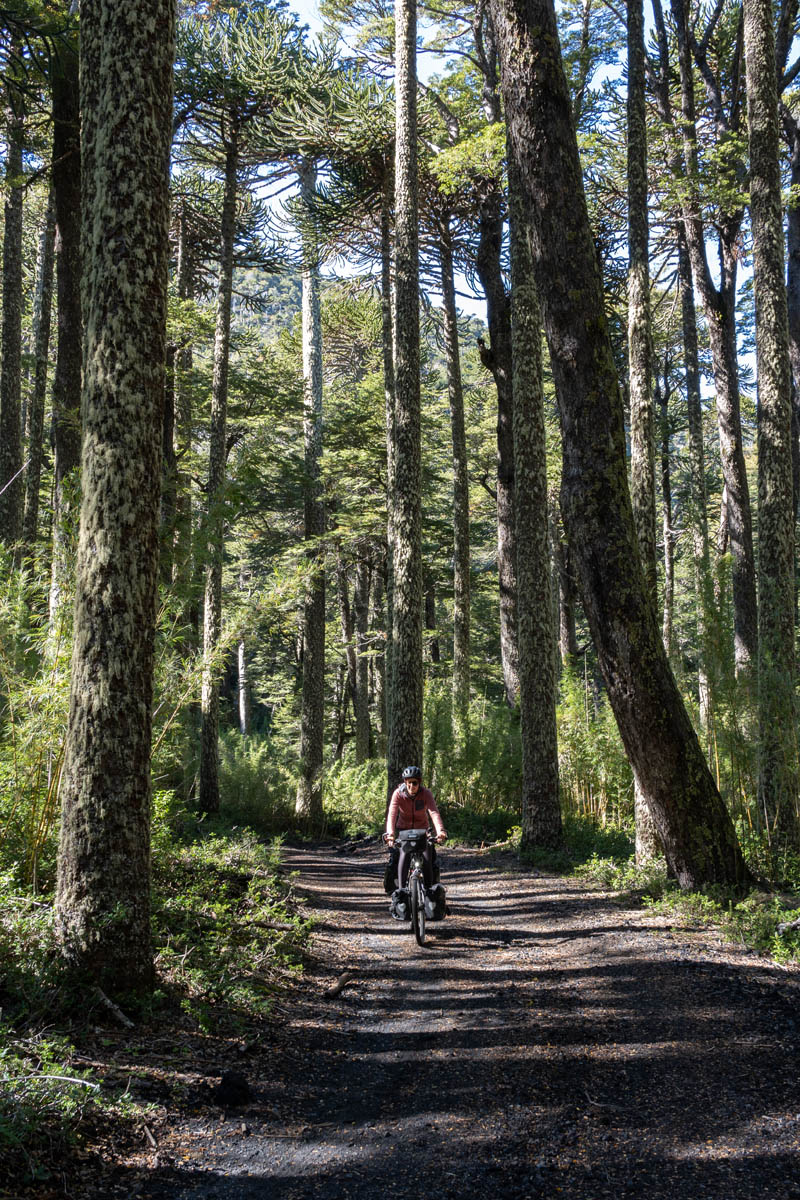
[418,910]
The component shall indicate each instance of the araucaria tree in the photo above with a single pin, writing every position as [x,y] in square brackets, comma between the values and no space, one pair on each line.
[405,733]
[778,766]
[103,897]
[695,828]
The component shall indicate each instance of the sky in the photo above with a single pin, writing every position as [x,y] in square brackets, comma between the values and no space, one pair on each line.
[308,11]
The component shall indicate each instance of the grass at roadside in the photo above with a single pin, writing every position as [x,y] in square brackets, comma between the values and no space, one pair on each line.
[228,938]
[604,856]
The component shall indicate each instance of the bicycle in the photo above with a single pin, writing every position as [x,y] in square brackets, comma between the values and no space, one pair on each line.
[415,842]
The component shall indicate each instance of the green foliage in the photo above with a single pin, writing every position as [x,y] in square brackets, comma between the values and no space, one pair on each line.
[596,778]
[485,774]
[256,788]
[751,922]
[34,697]
[354,798]
[44,1102]
[225,925]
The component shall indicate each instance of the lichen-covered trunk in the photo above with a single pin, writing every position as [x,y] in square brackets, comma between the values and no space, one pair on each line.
[541,808]
[360,629]
[777,762]
[387,347]
[720,310]
[667,624]
[377,661]
[697,482]
[11,480]
[461,550]
[182,557]
[169,471]
[66,395]
[567,633]
[208,796]
[308,803]
[695,828]
[103,891]
[643,495]
[498,318]
[793,297]
[42,308]
[405,730]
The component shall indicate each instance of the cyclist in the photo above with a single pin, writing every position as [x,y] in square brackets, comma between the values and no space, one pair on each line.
[410,807]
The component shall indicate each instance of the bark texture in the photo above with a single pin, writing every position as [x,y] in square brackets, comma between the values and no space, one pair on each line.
[361,592]
[103,892]
[499,361]
[697,480]
[66,175]
[541,809]
[695,828]
[42,308]
[387,346]
[719,304]
[461,550]
[308,804]
[778,766]
[11,480]
[639,340]
[215,517]
[405,730]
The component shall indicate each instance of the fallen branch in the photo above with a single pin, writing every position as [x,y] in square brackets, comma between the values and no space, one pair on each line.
[341,983]
[43,1075]
[150,1137]
[785,926]
[114,1009]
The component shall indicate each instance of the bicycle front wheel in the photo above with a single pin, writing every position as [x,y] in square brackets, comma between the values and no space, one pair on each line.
[418,910]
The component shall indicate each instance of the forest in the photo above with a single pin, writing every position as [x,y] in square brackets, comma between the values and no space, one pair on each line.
[421,389]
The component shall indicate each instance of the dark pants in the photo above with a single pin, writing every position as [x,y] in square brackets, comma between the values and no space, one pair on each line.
[404,864]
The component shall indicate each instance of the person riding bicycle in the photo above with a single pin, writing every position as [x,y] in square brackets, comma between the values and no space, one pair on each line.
[411,807]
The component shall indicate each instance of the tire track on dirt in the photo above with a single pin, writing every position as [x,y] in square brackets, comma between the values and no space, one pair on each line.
[547,1041]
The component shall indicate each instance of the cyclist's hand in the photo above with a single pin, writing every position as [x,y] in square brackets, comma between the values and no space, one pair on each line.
[389,839]
[441,837]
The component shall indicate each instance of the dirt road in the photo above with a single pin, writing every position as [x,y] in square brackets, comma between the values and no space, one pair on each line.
[547,1042]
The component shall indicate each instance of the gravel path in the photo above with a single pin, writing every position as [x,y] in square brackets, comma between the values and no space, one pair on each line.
[546,1042]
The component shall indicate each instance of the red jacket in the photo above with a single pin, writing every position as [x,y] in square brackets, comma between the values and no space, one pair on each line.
[412,812]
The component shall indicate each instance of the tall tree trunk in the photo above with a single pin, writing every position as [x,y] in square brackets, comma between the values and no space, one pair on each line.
[182,557]
[387,344]
[662,399]
[11,466]
[360,624]
[697,480]
[215,517]
[405,731]
[643,495]
[42,308]
[308,804]
[720,309]
[66,176]
[461,551]
[169,470]
[498,359]
[691,818]
[778,765]
[432,650]
[792,128]
[103,892]
[567,635]
[377,633]
[541,809]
